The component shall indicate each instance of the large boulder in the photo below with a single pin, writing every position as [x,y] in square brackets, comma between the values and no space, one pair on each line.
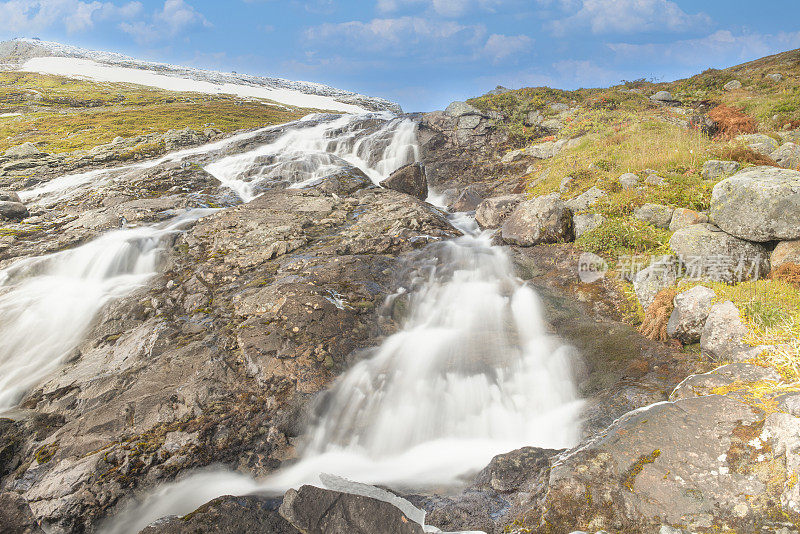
[716,169]
[759,204]
[14,211]
[315,510]
[785,252]
[709,253]
[9,196]
[544,219]
[655,214]
[227,515]
[468,200]
[409,179]
[659,275]
[723,332]
[690,314]
[493,211]
[732,85]
[344,182]
[787,156]
[586,199]
[662,96]
[683,217]
[628,180]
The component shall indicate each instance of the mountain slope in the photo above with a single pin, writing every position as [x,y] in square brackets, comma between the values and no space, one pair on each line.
[45,57]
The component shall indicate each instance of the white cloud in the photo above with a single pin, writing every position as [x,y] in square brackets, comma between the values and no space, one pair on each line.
[397,35]
[499,47]
[30,16]
[627,16]
[446,8]
[175,17]
[720,47]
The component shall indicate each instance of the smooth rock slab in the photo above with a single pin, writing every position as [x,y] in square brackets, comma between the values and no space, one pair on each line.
[704,384]
[709,253]
[544,219]
[314,510]
[690,314]
[493,211]
[759,204]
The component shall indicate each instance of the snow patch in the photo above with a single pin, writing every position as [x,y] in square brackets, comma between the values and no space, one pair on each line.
[99,72]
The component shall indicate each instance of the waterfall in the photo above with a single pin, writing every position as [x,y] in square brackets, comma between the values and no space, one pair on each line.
[47,304]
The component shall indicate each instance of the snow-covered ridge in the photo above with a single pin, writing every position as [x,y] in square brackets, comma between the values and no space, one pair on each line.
[47,57]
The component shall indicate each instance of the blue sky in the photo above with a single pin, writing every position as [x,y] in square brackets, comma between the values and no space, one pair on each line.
[423,53]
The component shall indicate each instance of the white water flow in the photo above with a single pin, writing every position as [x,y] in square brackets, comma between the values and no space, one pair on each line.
[377,144]
[48,303]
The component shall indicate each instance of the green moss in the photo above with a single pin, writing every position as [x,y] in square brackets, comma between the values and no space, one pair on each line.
[46,453]
[629,478]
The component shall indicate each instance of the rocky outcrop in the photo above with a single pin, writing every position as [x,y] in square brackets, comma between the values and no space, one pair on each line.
[759,204]
[544,219]
[16,516]
[260,306]
[409,179]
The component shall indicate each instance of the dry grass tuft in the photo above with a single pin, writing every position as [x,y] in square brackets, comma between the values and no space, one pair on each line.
[731,121]
[788,272]
[657,315]
[744,154]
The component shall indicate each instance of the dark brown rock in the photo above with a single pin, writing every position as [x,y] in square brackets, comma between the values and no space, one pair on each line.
[410,179]
[16,516]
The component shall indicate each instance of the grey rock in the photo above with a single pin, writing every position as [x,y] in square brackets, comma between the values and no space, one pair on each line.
[586,222]
[460,109]
[314,510]
[690,314]
[732,85]
[552,125]
[704,384]
[177,139]
[785,252]
[468,200]
[716,169]
[499,90]
[759,204]
[787,156]
[763,144]
[9,196]
[775,77]
[586,200]
[628,180]
[723,332]
[559,107]
[662,96]
[469,122]
[14,211]
[666,529]
[11,441]
[409,179]
[16,516]
[682,217]
[648,282]
[533,118]
[25,150]
[508,472]
[546,150]
[654,179]
[493,211]
[709,253]
[344,182]
[227,515]
[565,183]
[544,219]
[656,214]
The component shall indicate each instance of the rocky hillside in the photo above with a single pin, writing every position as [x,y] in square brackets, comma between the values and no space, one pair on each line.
[658,223]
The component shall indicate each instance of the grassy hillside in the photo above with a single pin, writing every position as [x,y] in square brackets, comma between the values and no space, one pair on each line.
[63,115]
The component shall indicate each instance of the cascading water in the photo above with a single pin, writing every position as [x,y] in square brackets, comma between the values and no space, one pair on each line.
[48,303]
